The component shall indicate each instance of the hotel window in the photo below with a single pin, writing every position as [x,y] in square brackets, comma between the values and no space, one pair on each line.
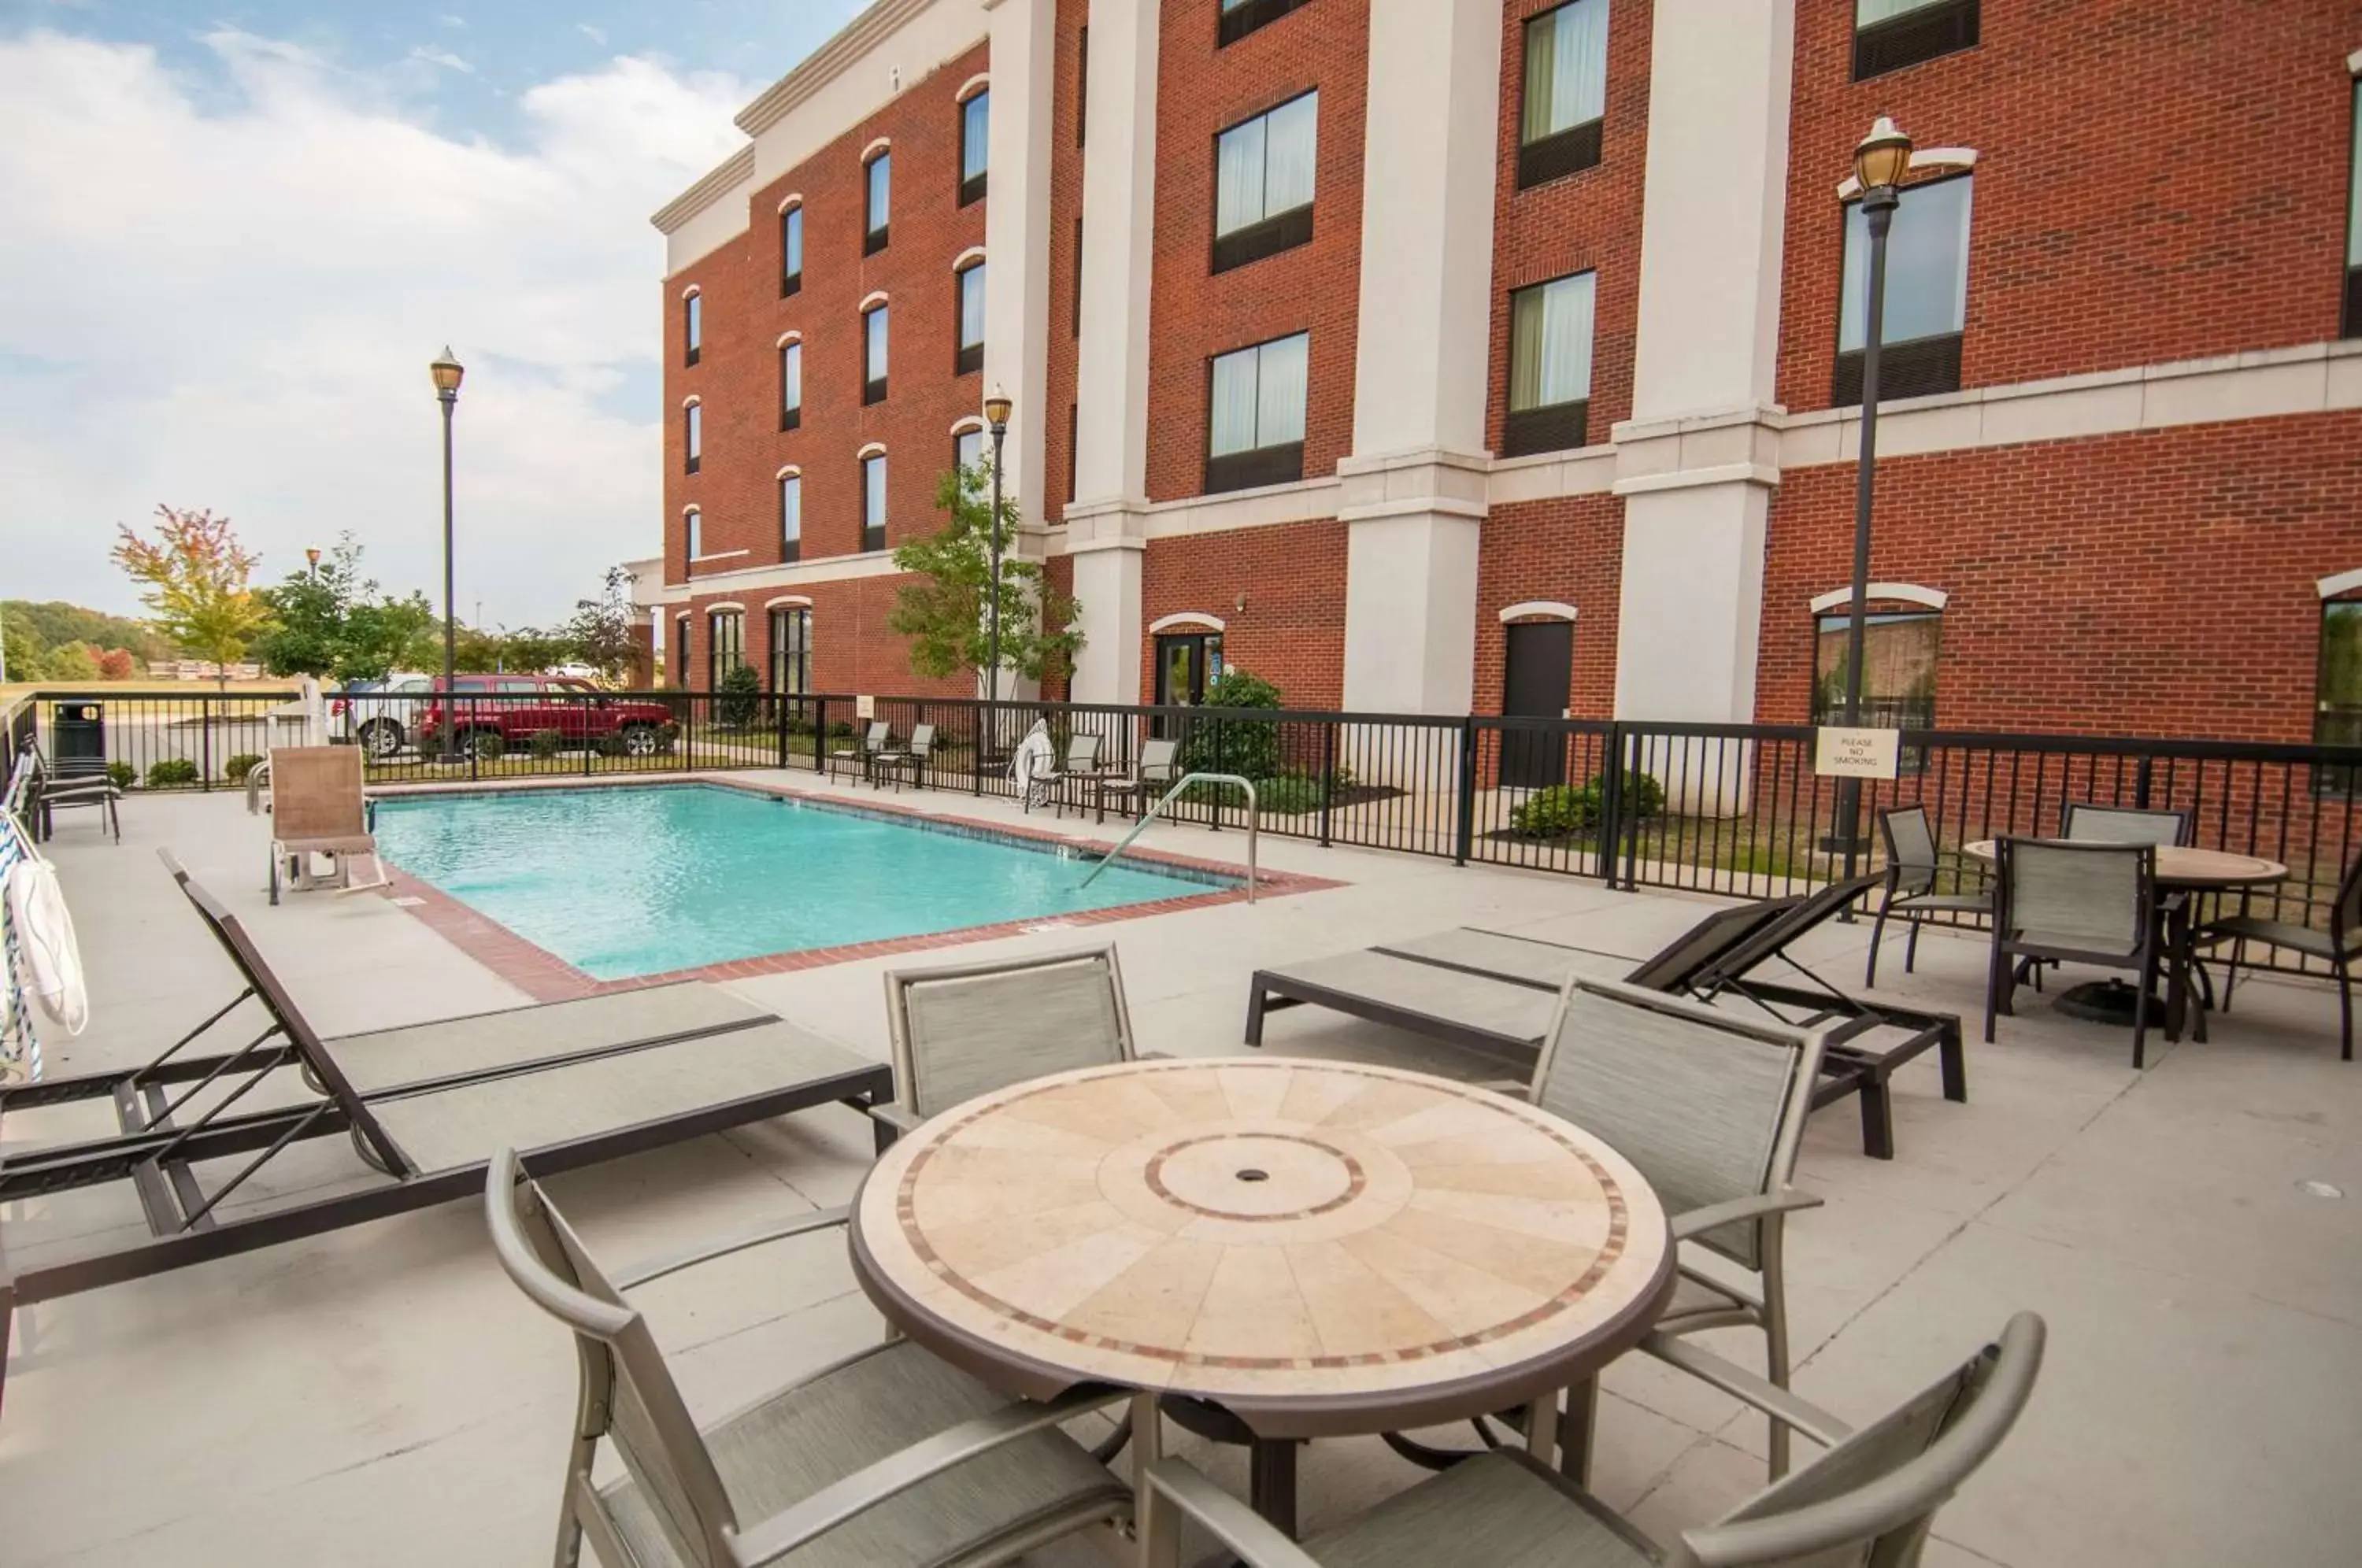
[1078,279]
[2353,323]
[693,434]
[879,178]
[1082,81]
[1565,92]
[692,526]
[1898,672]
[1254,430]
[1891,34]
[791,518]
[692,326]
[791,650]
[970,280]
[1927,295]
[873,355]
[1263,183]
[1074,447]
[792,385]
[1240,18]
[968,449]
[791,251]
[725,645]
[681,650]
[1550,365]
[975,122]
[873,501]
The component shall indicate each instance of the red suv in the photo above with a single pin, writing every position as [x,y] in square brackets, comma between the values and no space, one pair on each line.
[518,707]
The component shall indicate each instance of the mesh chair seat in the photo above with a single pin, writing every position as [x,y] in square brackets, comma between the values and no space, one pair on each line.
[775,1453]
[1961,904]
[2278,933]
[1500,1509]
[1694,1297]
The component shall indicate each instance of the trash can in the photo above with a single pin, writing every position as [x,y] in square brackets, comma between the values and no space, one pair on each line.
[78,739]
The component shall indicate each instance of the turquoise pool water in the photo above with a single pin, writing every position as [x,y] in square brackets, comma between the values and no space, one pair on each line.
[623,882]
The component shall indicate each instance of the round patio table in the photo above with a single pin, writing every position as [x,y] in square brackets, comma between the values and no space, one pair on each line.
[2180,868]
[1307,1249]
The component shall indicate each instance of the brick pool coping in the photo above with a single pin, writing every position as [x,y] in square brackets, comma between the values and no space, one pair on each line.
[545,976]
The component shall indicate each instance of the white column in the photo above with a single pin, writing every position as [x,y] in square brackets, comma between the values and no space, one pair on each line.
[1103,526]
[1698,460]
[1017,239]
[1413,497]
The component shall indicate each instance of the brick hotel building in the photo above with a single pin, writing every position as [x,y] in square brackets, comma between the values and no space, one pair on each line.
[1504,355]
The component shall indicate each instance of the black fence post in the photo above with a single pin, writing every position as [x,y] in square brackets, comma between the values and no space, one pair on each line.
[2140,784]
[779,721]
[1328,774]
[1609,835]
[980,728]
[205,745]
[1463,837]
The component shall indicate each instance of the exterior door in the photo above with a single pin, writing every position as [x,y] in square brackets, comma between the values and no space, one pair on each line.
[1186,663]
[1539,668]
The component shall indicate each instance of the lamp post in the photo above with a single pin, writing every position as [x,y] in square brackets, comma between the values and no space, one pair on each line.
[313,555]
[447,373]
[1879,163]
[995,415]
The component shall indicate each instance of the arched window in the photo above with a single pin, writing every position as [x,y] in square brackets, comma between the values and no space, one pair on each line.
[692,325]
[873,351]
[969,279]
[790,629]
[878,181]
[1902,637]
[792,513]
[692,433]
[873,497]
[792,245]
[692,528]
[791,380]
[976,121]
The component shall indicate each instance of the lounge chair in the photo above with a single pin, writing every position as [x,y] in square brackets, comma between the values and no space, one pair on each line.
[318,807]
[1870,1498]
[912,759]
[1159,765]
[572,1083]
[888,1456]
[37,793]
[1498,994]
[863,757]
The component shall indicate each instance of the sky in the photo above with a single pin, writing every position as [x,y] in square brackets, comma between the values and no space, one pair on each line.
[233,237]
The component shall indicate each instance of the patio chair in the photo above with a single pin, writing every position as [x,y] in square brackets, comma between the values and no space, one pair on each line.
[887,1457]
[2076,902]
[2338,947]
[912,758]
[318,807]
[44,792]
[1159,765]
[863,757]
[1081,761]
[1913,865]
[2094,822]
[1870,1498]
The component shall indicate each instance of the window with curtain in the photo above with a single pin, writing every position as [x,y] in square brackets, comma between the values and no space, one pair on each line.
[1254,428]
[792,385]
[725,645]
[791,518]
[967,450]
[791,650]
[970,356]
[1564,95]
[975,123]
[1237,18]
[692,326]
[879,179]
[681,650]
[693,434]
[1927,294]
[692,526]
[1263,183]
[1891,34]
[791,251]
[873,355]
[1549,365]
[873,501]
[1899,651]
[2353,323]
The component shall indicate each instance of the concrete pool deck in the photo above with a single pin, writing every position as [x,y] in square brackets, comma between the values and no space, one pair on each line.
[384,1395]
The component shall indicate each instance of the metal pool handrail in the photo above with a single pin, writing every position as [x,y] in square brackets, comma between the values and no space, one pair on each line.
[1253,818]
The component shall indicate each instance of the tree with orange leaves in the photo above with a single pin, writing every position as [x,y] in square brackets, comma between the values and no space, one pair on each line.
[193,577]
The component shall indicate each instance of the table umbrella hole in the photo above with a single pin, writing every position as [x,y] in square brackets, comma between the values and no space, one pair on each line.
[1251,1173]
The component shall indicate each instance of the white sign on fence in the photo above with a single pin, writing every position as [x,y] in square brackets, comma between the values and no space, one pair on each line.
[1842,753]
[866,708]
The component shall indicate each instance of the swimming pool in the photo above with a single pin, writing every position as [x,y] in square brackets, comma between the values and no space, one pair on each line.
[622,882]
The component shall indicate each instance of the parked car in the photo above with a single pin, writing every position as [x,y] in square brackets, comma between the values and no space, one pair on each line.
[379,715]
[517,707]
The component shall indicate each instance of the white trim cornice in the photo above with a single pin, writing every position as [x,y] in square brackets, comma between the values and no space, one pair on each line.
[732,171]
[1538,610]
[852,40]
[1895,592]
[1184,619]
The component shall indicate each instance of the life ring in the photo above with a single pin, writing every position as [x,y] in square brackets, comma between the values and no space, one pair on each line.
[45,935]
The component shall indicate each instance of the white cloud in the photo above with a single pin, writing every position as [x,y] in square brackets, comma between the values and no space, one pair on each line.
[442,57]
[234,307]
[596,35]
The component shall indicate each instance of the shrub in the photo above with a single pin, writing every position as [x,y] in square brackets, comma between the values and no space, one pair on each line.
[238,766]
[611,743]
[740,696]
[667,737]
[172,771]
[488,746]
[1247,747]
[1559,811]
[122,774]
[1642,796]
[546,743]
[1287,794]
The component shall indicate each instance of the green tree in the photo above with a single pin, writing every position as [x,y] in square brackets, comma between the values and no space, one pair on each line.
[1247,747]
[331,620]
[947,615]
[741,697]
[600,632]
[21,650]
[193,577]
[73,662]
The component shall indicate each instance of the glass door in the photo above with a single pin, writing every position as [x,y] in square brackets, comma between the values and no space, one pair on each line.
[1187,663]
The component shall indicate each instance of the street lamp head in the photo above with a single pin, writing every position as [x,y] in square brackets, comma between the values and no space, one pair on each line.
[313,555]
[447,373]
[1883,156]
[996,410]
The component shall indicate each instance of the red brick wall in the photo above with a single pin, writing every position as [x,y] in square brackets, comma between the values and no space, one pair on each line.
[737,376]
[1587,220]
[1202,91]
[1291,631]
[1065,209]
[2155,181]
[1570,550]
[2156,583]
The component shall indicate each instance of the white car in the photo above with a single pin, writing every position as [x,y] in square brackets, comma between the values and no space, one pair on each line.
[378,714]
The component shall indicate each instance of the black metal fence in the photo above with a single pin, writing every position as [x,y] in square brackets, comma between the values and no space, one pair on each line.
[1731,809]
